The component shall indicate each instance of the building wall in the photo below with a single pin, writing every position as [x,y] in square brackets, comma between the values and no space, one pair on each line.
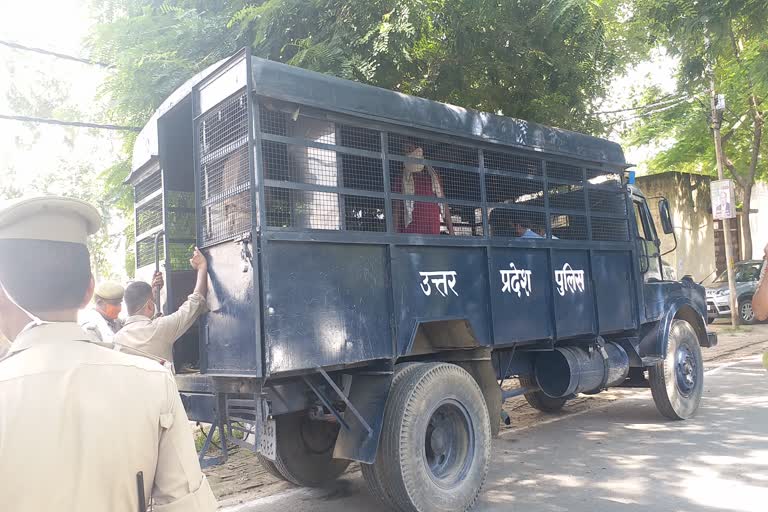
[690,206]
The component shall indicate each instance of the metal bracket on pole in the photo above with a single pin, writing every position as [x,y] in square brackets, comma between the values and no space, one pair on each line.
[341,395]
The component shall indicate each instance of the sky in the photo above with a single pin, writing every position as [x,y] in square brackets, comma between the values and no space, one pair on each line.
[32,151]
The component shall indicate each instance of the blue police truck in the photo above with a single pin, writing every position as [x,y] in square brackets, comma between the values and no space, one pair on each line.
[381,263]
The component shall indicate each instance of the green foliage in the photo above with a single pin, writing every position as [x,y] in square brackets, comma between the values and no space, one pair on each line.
[709,37]
[539,60]
[543,61]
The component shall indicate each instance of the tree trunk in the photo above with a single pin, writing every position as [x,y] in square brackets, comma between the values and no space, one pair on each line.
[746,229]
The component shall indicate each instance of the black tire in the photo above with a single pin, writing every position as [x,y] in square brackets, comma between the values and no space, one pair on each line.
[371,471]
[435,452]
[677,382]
[538,400]
[305,451]
[746,313]
[269,467]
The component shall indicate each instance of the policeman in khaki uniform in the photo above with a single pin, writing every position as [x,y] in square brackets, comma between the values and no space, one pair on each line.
[79,421]
[154,336]
[5,345]
[101,319]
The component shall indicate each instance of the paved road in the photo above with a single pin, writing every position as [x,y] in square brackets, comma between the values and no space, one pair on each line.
[623,457]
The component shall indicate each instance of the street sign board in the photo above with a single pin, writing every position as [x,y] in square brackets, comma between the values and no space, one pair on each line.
[723,199]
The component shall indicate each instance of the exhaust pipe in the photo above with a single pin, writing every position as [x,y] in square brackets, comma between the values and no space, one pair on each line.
[569,370]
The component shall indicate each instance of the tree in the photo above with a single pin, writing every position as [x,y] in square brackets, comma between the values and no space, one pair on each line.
[535,59]
[720,41]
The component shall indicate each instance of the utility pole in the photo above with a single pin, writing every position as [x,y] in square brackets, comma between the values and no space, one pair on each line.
[716,122]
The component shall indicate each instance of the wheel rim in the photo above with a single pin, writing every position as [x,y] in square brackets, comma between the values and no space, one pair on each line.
[746,311]
[685,370]
[449,443]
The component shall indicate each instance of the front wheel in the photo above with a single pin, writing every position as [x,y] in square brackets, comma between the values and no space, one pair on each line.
[746,313]
[434,452]
[677,382]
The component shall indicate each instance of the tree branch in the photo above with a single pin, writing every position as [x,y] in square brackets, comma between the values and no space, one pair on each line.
[732,170]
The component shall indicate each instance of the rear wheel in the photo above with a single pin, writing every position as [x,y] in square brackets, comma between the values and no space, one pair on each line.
[746,313]
[434,455]
[537,399]
[371,471]
[677,382]
[304,451]
[269,466]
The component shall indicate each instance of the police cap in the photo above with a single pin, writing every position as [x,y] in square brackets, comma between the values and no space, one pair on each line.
[49,218]
[109,290]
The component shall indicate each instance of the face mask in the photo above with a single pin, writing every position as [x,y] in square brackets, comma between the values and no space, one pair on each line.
[112,311]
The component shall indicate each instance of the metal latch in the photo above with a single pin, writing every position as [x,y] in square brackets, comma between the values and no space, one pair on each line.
[246,255]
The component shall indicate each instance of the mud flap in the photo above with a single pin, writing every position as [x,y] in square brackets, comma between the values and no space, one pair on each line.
[368,393]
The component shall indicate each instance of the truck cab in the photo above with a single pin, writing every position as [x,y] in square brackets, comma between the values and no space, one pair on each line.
[380,265]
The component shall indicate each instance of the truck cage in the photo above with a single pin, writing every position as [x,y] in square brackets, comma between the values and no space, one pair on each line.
[349,228]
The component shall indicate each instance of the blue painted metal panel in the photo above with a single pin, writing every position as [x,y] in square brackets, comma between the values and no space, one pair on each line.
[521,295]
[440,283]
[230,335]
[614,290]
[326,305]
[572,292]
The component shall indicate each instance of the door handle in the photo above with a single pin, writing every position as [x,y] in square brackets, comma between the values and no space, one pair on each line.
[246,255]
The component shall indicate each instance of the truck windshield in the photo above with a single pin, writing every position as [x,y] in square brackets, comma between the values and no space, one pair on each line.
[745,272]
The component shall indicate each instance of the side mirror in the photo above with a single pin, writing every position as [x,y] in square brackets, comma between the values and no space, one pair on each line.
[666,218]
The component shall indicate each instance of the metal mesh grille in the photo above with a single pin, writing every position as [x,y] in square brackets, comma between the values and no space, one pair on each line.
[402,145]
[466,220]
[508,223]
[180,214]
[147,187]
[227,219]
[273,122]
[320,175]
[364,214]
[305,209]
[512,189]
[567,197]
[225,177]
[607,200]
[507,162]
[180,253]
[360,138]
[302,209]
[427,181]
[149,216]
[561,171]
[608,229]
[569,227]
[145,251]
[314,166]
[223,126]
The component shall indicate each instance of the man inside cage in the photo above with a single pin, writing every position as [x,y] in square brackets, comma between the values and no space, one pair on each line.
[418,179]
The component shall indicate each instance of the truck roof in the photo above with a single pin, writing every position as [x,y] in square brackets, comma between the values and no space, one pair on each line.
[290,83]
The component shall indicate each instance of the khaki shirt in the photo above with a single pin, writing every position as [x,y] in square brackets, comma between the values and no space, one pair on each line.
[5,346]
[78,421]
[93,321]
[157,336]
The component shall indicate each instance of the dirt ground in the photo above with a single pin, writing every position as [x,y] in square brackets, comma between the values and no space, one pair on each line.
[242,478]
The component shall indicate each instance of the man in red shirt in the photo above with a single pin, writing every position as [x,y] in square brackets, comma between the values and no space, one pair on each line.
[419,216]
